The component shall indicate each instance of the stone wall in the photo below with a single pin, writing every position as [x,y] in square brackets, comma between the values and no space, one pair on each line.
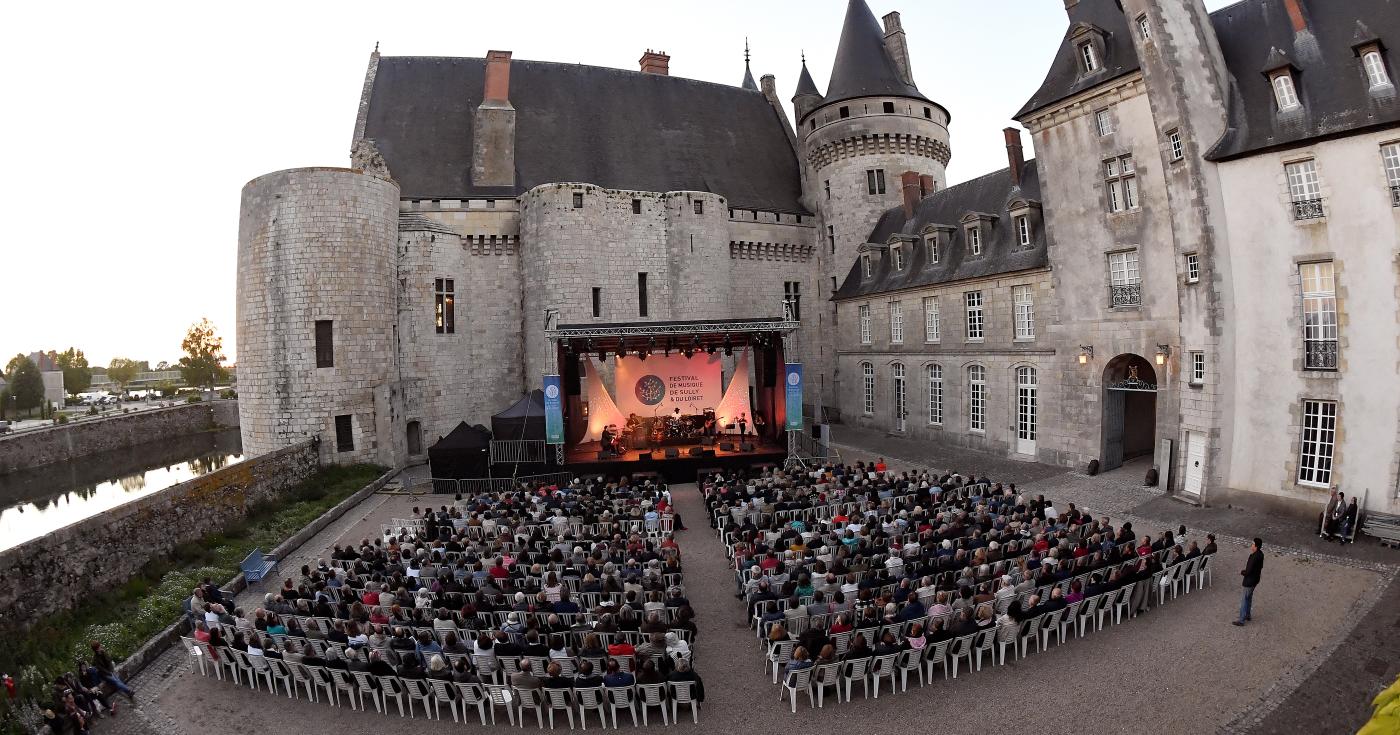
[47,446]
[59,570]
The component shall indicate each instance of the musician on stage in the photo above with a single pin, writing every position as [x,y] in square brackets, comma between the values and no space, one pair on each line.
[743,426]
[607,439]
[758,424]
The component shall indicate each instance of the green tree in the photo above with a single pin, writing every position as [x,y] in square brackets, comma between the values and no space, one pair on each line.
[77,376]
[202,364]
[26,384]
[122,371]
[167,388]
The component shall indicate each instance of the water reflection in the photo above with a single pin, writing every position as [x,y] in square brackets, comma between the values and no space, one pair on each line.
[45,499]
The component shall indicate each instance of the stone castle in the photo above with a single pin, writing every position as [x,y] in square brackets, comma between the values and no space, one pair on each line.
[1202,267]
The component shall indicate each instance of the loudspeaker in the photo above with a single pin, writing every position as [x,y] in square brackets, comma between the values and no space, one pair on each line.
[570,378]
[672,453]
[727,446]
[696,452]
[745,447]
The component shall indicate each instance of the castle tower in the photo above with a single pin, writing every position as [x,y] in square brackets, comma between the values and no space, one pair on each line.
[855,142]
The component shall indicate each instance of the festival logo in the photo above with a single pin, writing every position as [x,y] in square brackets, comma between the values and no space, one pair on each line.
[794,379]
[551,391]
[650,390]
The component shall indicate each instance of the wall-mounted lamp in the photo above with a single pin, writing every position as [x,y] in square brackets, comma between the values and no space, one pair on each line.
[1085,352]
[1163,352]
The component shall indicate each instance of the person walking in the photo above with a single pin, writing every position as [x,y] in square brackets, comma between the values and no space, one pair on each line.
[1251,572]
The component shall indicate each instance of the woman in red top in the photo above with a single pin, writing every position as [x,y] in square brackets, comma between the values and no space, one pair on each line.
[841,625]
[880,465]
[498,570]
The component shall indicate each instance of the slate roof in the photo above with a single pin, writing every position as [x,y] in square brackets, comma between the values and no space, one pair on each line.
[1331,83]
[805,85]
[410,222]
[1064,80]
[988,194]
[610,127]
[863,67]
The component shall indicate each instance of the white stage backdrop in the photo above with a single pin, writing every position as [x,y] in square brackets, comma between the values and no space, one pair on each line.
[660,384]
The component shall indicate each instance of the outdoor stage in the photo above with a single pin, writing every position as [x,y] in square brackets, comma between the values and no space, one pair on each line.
[675,462]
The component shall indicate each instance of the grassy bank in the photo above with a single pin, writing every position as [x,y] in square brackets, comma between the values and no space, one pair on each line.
[125,617]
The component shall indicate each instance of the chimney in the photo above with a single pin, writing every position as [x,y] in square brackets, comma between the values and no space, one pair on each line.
[909,186]
[1014,157]
[1295,14]
[898,47]
[656,62]
[926,185]
[493,145]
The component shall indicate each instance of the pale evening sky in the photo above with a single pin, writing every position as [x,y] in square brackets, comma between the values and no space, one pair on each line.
[132,128]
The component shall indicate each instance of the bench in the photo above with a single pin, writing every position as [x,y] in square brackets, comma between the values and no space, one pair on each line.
[256,566]
[1382,526]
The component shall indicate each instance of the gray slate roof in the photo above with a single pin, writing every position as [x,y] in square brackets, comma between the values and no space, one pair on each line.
[805,85]
[863,67]
[1064,80]
[610,127]
[1331,83]
[1000,254]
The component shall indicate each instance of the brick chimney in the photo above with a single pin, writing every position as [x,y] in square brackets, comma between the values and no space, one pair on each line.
[656,62]
[1015,158]
[1295,15]
[909,186]
[493,147]
[926,185]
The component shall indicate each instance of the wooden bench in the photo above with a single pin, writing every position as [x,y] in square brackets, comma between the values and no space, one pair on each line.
[1384,527]
[256,566]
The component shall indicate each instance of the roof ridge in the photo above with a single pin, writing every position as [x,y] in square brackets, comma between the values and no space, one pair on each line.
[573,64]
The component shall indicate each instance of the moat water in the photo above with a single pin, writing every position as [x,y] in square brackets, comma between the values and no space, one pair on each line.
[39,501]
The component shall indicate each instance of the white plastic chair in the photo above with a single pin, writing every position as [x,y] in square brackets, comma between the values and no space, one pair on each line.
[500,695]
[910,660]
[529,699]
[983,642]
[344,682]
[795,682]
[192,647]
[443,691]
[559,699]
[779,653]
[1050,625]
[470,694]
[302,678]
[653,695]
[962,647]
[683,692]
[624,698]
[1122,602]
[857,669]
[1006,636]
[883,667]
[365,683]
[392,687]
[418,689]
[827,675]
[260,671]
[936,655]
[1028,634]
[591,698]
[1203,575]
[281,673]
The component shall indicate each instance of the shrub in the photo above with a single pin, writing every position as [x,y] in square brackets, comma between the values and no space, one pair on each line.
[61,419]
[193,399]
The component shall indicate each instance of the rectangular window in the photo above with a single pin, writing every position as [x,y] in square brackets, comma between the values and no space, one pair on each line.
[1104,120]
[865,324]
[1284,93]
[1023,231]
[888,107]
[578,200]
[866,265]
[827,185]
[641,294]
[932,328]
[700,208]
[1319,441]
[636,206]
[1025,312]
[831,238]
[325,343]
[1320,330]
[1088,57]
[1125,284]
[875,181]
[977,398]
[1120,179]
[896,322]
[1375,69]
[1390,159]
[1198,368]
[845,112]
[935,395]
[1304,189]
[792,294]
[868,384]
[973,301]
[931,242]
[1193,267]
[928,113]
[344,434]
[1144,28]
[1176,150]
[974,239]
[897,257]
[444,308]
[597,302]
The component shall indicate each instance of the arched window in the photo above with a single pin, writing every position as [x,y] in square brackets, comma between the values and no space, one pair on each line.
[977,398]
[868,385]
[935,395]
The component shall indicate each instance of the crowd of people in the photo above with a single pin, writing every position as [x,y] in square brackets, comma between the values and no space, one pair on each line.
[86,694]
[572,586]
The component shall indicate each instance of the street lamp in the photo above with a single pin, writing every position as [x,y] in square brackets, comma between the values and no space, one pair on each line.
[1163,352]
[1085,352]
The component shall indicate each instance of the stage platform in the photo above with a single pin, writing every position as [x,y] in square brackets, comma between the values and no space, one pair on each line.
[583,458]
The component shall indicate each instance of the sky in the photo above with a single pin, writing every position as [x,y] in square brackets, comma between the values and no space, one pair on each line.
[132,127]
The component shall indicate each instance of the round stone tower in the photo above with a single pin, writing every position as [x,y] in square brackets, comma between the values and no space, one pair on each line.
[317,312]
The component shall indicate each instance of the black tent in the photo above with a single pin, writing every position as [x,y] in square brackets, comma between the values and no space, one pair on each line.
[466,452]
[523,420]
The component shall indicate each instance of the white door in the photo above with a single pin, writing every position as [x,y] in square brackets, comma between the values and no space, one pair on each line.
[1025,410]
[900,410]
[1195,463]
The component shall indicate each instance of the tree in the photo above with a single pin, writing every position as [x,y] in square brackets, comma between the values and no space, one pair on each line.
[122,371]
[77,376]
[26,384]
[202,364]
[162,365]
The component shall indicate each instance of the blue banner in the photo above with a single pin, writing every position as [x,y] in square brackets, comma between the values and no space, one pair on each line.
[792,379]
[553,410]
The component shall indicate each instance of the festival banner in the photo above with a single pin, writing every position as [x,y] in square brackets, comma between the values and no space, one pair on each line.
[792,379]
[553,410]
[660,384]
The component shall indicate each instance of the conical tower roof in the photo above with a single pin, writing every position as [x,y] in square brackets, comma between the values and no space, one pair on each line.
[805,85]
[863,67]
[748,78]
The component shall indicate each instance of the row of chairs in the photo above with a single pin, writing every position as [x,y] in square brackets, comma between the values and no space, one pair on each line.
[431,694]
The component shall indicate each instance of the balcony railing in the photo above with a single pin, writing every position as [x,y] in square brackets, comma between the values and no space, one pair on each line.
[1320,354]
[1129,294]
[1395,195]
[1307,209]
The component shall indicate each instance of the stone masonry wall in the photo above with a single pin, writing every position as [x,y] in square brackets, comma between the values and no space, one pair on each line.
[57,571]
[41,447]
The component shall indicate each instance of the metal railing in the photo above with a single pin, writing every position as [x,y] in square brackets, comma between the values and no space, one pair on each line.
[528,451]
[1308,209]
[806,446]
[473,485]
[1128,294]
[1320,354]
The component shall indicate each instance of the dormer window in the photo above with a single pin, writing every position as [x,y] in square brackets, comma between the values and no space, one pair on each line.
[865,265]
[897,256]
[1088,57]
[1285,94]
[1374,64]
[1023,230]
[1144,27]
[931,242]
[974,240]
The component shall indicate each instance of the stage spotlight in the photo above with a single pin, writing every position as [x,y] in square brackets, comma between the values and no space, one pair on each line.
[621,350]
[689,352]
[728,347]
[642,354]
[710,349]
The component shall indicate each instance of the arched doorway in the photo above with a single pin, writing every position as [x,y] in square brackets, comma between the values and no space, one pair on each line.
[1129,409]
[415,438]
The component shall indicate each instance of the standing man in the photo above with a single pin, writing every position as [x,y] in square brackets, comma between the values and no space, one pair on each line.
[1251,571]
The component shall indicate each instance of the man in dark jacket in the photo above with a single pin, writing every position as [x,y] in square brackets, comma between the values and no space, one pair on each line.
[1252,569]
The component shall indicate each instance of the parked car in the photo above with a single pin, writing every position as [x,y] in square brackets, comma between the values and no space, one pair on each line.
[4,427]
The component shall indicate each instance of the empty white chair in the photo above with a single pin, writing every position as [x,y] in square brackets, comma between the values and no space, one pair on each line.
[197,655]
[500,695]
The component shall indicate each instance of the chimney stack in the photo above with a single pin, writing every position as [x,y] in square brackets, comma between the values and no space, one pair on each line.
[909,186]
[493,145]
[1015,158]
[656,62]
[1295,14]
[898,46]
[926,185]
